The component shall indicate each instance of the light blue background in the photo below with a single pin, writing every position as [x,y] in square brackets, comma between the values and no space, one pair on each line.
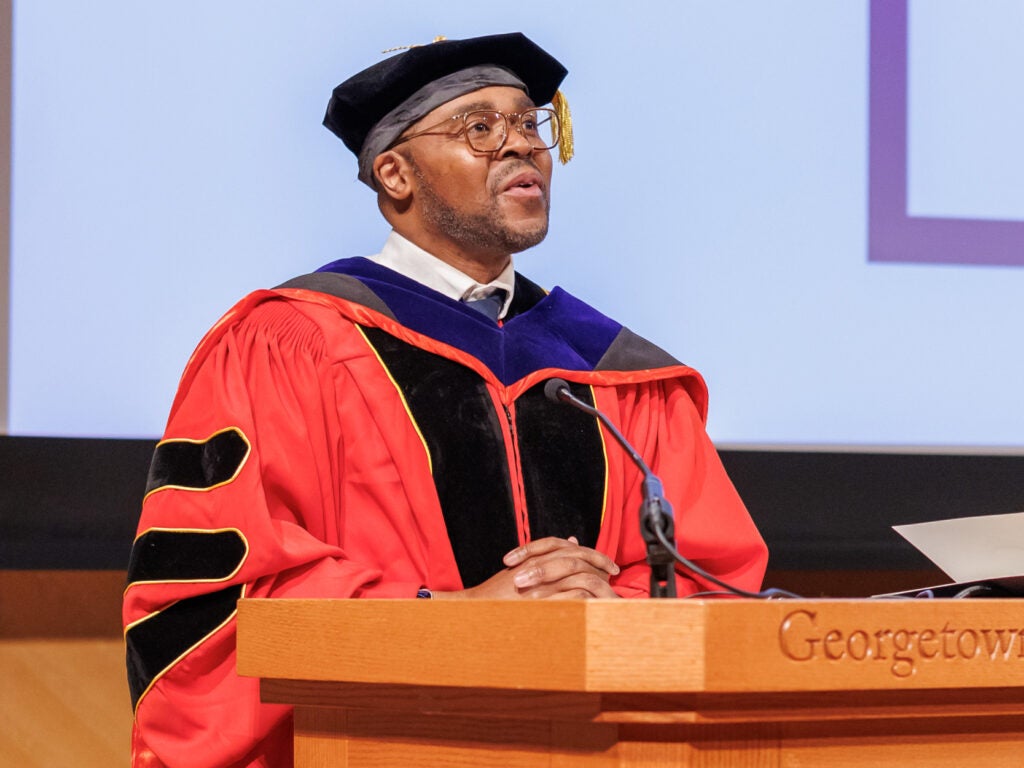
[168,158]
[966,109]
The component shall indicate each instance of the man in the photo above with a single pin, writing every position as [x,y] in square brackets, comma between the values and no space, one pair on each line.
[367,432]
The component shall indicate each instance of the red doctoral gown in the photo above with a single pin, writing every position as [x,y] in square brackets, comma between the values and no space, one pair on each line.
[353,434]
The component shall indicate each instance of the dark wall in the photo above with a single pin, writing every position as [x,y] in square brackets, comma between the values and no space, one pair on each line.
[73,503]
[822,511]
[70,503]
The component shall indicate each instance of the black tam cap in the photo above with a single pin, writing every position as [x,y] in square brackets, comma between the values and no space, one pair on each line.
[360,102]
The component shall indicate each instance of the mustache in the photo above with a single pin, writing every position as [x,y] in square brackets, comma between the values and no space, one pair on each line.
[512,167]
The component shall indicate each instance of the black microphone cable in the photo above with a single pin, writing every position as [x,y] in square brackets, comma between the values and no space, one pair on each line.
[656,513]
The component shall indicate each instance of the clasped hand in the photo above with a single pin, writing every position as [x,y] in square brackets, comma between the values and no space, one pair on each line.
[549,568]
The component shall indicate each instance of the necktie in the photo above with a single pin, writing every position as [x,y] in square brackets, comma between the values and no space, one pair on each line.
[489,306]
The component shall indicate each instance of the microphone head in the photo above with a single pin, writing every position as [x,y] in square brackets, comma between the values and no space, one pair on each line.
[553,390]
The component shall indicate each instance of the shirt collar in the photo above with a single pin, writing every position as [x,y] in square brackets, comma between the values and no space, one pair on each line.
[408,259]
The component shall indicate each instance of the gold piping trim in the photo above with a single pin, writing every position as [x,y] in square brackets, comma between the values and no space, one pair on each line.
[604,453]
[230,576]
[438,39]
[401,396]
[200,641]
[238,471]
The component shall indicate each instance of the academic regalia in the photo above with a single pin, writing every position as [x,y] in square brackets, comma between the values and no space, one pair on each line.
[355,434]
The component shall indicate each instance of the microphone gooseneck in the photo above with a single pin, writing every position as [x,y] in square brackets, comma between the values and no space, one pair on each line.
[656,522]
[656,519]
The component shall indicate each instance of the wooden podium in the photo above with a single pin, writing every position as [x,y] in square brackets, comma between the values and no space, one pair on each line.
[815,684]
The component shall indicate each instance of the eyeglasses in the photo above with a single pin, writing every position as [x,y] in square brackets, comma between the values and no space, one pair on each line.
[487,131]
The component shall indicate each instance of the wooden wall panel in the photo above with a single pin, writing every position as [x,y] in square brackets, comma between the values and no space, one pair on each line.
[52,604]
[64,702]
[63,687]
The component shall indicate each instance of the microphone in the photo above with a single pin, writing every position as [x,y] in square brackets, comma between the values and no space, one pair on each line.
[656,521]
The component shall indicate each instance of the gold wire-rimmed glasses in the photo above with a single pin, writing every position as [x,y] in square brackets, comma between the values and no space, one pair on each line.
[486,130]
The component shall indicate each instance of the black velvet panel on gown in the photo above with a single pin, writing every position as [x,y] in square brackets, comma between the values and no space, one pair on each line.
[560,451]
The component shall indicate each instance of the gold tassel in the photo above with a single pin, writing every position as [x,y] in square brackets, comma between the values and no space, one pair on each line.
[565,145]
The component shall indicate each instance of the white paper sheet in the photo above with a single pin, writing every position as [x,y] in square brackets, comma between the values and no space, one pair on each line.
[972,548]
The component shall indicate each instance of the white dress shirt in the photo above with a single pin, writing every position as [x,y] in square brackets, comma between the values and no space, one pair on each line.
[408,259]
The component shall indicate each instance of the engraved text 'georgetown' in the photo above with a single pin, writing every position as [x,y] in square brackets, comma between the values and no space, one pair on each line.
[803,638]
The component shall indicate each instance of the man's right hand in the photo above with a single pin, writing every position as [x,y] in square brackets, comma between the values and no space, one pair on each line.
[549,568]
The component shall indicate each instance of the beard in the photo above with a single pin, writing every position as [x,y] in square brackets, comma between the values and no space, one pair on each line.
[488,230]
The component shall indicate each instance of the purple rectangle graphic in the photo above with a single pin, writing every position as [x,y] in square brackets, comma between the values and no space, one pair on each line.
[893,235]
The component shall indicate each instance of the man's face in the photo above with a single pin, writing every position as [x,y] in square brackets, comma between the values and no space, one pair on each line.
[487,203]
